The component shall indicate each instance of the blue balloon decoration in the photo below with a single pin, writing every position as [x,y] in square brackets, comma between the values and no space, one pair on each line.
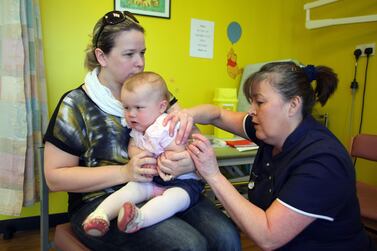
[234,32]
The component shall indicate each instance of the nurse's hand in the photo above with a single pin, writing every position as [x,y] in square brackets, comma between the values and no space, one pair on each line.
[175,163]
[204,157]
[186,123]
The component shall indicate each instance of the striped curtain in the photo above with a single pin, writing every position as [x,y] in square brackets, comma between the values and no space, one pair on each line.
[23,109]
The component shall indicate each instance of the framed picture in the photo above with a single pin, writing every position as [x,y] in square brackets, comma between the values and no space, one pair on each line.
[154,8]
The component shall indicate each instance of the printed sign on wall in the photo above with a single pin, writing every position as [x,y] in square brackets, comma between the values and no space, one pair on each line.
[201,38]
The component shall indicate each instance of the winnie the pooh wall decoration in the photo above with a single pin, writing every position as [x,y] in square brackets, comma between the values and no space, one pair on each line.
[234,32]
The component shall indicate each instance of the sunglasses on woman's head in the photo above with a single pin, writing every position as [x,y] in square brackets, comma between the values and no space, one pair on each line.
[112,18]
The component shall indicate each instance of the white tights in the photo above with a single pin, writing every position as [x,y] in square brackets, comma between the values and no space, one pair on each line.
[163,203]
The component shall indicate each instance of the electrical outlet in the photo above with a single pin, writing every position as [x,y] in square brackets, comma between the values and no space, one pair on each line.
[362,47]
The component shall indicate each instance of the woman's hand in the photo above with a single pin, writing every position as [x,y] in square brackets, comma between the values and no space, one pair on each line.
[151,166]
[175,163]
[164,176]
[186,122]
[141,167]
[204,157]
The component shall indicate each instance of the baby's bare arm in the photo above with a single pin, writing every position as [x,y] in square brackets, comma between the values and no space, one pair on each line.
[133,149]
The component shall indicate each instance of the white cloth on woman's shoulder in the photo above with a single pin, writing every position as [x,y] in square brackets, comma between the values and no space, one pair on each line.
[102,96]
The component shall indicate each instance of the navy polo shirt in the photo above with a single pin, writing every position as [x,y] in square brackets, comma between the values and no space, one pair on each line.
[312,175]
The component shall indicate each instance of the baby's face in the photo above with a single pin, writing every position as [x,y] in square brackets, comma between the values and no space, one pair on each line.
[141,108]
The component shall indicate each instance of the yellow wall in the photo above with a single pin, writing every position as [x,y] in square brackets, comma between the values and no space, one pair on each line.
[272,30]
[334,46]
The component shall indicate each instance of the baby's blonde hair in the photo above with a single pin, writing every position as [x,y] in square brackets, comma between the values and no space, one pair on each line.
[153,80]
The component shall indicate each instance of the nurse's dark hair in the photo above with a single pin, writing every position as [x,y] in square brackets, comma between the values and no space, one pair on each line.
[291,80]
[106,40]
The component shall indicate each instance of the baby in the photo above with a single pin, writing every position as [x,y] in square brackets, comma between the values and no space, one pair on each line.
[145,98]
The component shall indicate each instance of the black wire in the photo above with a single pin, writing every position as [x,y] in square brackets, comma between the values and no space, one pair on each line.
[354,162]
[354,85]
[354,75]
[363,100]
[356,63]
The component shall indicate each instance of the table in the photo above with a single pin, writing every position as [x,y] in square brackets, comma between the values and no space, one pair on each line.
[229,156]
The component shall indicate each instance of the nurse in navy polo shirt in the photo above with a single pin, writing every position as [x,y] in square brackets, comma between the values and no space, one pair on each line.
[302,193]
